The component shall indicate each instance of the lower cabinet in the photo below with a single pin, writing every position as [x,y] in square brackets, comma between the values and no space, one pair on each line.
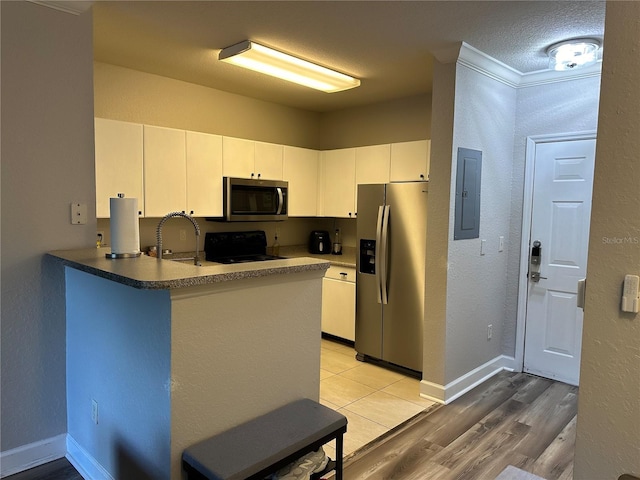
[339,302]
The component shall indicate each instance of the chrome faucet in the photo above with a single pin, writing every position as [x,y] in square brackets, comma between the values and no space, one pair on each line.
[196,260]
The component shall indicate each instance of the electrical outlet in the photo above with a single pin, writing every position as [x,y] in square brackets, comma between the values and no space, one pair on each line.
[94,411]
[183,234]
[489,331]
[500,243]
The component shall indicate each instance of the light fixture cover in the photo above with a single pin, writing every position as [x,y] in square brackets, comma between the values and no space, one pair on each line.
[573,54]
[263,59]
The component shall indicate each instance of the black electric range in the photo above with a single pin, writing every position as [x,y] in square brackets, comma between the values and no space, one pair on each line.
[237,247]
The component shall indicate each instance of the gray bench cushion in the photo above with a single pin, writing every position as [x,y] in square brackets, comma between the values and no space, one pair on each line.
[253,446]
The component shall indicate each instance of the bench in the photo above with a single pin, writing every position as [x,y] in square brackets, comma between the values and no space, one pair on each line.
[264,445]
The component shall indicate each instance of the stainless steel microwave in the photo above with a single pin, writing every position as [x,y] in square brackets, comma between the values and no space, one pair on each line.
[248,200]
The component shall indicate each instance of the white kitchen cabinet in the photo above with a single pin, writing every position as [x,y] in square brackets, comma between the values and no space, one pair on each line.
[118,162]
[410,161]
[338,171]
[204,174]
[165,182]
[373,164]
[300,169]
[339,302]
[268,161]
[248,159]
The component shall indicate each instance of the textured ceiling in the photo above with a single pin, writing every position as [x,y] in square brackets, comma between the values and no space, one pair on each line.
[388,44]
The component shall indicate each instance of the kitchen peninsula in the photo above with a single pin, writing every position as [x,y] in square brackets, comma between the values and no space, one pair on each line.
[162,354]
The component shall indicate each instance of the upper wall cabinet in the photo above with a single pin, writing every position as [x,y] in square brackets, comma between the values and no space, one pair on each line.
[338,173]
[269,159]
[248,159]
[410,161]
[373,164]
[300,169]
[119,163]
[204,174]
[165,172]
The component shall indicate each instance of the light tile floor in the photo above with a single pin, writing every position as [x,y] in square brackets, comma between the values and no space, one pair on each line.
[373,399]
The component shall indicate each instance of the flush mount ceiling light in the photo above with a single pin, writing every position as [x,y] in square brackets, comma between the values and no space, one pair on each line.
[263,59]
[573,54]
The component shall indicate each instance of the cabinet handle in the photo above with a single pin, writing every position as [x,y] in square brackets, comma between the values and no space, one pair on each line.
[252,174]
[422,176]
[259,175]
[191,212]
[343,275]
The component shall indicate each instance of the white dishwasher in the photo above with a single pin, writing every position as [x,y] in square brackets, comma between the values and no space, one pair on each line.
[339,302]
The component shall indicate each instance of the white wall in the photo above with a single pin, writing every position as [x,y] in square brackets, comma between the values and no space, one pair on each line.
[466,291]
[476,284]
[125,366]
[608,431]
[47,163]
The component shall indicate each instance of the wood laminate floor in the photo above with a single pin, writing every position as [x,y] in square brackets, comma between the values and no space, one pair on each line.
[512,419]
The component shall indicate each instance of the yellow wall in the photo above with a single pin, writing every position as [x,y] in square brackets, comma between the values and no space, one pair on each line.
[134,96]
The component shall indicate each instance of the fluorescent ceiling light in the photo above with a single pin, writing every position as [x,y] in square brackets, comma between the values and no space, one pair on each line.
[263,59]
[573,54]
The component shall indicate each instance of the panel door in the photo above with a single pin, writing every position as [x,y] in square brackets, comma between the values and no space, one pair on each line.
[561,211]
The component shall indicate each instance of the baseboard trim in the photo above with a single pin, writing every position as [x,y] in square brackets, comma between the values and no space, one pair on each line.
[448,393]
[32,455]
[84,462]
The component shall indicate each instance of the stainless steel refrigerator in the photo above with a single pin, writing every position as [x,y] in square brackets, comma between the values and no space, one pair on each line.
[390,281]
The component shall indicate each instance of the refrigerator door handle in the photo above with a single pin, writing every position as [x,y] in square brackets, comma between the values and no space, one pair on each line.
[384,255]
[377,252]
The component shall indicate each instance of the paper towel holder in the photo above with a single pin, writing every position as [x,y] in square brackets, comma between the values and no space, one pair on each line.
[122,255]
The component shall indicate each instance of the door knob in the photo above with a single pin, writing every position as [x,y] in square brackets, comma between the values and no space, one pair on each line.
[535,277]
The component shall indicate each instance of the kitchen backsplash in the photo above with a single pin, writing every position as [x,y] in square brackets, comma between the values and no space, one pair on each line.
[294,231]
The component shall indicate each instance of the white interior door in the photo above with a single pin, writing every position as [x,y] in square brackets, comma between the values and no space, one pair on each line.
[560,216]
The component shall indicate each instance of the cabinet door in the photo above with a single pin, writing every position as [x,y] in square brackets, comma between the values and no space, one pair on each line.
[410,161]
[300,169]
[339,181]
[339,308]
[165,182]
[204,174]
[268,164]
[119,163]
[373,164]
[238,157]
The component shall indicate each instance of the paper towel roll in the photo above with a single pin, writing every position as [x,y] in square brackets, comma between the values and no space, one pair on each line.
[125,226]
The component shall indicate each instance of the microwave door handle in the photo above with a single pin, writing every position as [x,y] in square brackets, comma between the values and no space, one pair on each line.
[280,200]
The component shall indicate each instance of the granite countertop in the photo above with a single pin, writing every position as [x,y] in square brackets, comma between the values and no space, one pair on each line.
[347,259]
[146,272]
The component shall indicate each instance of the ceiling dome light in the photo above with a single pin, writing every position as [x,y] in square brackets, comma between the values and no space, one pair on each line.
[573,54]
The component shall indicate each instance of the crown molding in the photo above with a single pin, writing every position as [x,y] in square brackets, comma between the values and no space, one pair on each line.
[544,77]
[482,63]
[75,7]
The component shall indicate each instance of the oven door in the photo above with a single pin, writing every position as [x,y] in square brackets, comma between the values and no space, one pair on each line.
[247,200]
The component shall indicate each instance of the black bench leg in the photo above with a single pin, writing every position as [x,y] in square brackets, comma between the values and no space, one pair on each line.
[339,447]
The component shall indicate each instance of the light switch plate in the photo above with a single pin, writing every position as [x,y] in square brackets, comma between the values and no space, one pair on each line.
[79,213]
